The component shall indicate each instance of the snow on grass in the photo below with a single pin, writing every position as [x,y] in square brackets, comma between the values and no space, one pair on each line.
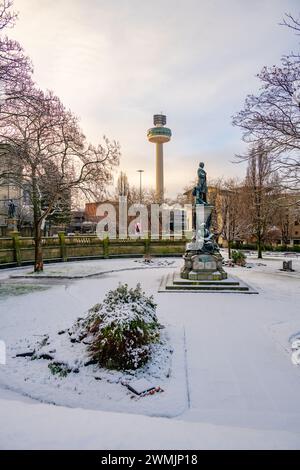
[42,426]
[82,269]
[90,386]
[155,262]
[235,387]
[34,323]
[7,290]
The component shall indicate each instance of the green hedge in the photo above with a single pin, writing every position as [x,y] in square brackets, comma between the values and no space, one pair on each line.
[253,246]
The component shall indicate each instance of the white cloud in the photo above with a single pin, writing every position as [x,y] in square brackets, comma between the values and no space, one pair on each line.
[116,63]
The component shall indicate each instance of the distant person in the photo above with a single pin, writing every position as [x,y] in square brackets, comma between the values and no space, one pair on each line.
[137,229]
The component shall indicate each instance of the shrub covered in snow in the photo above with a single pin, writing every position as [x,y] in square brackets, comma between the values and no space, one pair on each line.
[238,257]
[120,331]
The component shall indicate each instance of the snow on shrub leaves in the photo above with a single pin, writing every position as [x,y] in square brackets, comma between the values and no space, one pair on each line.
[238,257]
[119,332]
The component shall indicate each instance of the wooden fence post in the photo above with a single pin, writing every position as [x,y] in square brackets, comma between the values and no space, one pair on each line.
[16,247]
[106,247]
[63,248]
[147,246]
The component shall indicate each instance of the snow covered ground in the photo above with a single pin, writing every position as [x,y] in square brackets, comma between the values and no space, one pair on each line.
[231,384]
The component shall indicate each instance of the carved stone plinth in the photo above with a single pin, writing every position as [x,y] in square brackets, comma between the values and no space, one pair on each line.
[202,266]
[11,224]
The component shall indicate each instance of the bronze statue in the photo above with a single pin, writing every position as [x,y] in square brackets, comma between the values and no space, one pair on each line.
[202,258]
[200,191]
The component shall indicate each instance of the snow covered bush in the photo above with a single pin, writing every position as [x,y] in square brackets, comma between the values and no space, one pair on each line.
[238,257]
[120,331]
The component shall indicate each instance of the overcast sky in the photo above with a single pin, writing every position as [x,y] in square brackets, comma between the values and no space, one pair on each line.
[117,62]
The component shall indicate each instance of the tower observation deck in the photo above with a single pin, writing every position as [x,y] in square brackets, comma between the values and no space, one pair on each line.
[159,135]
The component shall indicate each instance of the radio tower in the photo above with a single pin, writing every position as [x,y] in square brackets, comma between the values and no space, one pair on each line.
[159,135]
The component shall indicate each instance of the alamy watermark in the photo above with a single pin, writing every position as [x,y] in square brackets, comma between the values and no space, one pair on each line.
[2,353]
[154,220]
[3,95]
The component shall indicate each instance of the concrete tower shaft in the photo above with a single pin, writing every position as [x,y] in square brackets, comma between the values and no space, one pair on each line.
[159,135]
[159,172]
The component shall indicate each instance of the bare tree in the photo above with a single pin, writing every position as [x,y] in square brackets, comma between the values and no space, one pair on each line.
[273,115]
[149,196]
[15,67]
[284,221]
[287,214]
[291,22]
[262,191]
[123,188]
[49,155]
[232,218]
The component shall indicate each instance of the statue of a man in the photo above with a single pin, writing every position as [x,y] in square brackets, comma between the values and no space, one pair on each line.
[200,191]
[11,209]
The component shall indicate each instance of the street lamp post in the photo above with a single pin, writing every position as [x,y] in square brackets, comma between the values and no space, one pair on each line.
[140,172]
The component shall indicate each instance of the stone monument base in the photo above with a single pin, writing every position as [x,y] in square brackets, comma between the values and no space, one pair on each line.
[202,266]
[11,224]
[173,282]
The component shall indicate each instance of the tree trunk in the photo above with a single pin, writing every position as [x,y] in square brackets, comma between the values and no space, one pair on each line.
[285,240]
[229,249]
[259,248]
[38,251]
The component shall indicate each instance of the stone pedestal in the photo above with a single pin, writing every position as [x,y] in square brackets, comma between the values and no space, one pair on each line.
[202,258]
[173,282]
[287,266]
[11,224]
[202,266]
